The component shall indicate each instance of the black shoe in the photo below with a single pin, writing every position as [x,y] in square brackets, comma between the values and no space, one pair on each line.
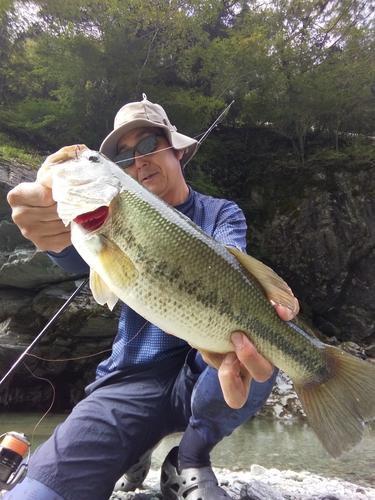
[134,477]
[190,484]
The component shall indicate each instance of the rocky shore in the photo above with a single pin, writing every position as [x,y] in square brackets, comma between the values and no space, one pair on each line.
[259,483]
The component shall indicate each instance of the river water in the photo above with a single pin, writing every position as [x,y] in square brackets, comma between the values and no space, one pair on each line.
[273,444]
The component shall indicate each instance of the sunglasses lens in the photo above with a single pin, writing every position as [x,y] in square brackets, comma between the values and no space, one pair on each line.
[144,147]
[147,145]
[125,159]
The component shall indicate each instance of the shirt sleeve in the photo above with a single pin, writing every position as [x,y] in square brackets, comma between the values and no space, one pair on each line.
[69,260]
[231,227]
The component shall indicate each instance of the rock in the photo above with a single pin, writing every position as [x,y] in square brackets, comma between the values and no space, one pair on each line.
[283,403]
[28,268]
[353,348]
[323,245]
[32,289]
[11,174]
[256,490]
[325,249]
[264,484]
[257,470]
[370,351]
[244,486]
[329,497]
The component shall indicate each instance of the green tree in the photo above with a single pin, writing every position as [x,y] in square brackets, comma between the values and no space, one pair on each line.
[285,80]
[299,66]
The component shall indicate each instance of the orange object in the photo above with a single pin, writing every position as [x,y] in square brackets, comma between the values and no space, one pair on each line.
[16,443]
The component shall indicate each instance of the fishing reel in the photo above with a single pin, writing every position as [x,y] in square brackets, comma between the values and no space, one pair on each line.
[12,450]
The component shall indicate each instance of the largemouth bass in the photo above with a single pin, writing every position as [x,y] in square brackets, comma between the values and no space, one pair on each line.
[166,268]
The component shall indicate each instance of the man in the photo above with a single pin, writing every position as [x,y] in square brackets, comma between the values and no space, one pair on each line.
[153,384]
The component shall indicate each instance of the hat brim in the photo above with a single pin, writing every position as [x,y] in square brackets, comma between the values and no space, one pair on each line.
[177,140]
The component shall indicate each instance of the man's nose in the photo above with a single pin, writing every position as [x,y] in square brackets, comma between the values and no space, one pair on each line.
[140,160]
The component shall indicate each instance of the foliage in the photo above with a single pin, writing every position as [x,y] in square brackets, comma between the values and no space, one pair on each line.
[299,67]
[11,150]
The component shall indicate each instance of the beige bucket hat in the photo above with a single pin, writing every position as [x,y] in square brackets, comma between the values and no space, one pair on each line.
[146,114]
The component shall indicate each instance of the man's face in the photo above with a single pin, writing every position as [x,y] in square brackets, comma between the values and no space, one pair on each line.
[159,171]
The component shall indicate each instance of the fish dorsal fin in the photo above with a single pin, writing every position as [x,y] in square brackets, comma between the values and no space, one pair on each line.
[101,292]
[274,287]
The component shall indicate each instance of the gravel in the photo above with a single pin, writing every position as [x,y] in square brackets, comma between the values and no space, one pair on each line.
[260,483]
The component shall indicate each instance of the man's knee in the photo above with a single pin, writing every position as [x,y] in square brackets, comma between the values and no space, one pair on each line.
[30,489]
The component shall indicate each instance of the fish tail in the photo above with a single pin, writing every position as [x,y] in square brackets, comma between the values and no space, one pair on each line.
[339,406]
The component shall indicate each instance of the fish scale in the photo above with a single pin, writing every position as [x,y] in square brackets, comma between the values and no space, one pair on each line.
[173,274]
[224,290]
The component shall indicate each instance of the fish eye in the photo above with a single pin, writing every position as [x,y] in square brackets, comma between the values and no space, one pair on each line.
[94,159]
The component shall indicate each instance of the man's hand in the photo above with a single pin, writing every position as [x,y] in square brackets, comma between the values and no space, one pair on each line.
[35,213]
[245,363]
[239,368]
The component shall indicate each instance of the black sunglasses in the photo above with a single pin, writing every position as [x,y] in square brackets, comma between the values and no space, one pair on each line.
[145,146]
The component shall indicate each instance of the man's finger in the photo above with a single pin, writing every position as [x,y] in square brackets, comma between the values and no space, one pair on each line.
[30,194]
[234,381]
[285,313]
[259,367]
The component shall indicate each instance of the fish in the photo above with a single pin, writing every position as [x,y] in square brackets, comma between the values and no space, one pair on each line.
[156,260]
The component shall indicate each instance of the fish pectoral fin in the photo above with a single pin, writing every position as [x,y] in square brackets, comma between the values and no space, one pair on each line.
[117,272]
[101,291]
[274,287]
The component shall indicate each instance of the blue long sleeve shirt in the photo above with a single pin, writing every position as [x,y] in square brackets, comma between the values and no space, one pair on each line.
[138,341]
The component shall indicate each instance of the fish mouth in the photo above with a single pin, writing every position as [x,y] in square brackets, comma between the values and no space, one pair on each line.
[93,220]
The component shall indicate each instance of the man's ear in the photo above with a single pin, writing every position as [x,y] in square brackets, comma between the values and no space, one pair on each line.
[179,153]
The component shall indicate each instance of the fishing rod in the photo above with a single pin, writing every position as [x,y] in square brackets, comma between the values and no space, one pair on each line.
[83,284]
[44,331]
[218,120]
[14,445]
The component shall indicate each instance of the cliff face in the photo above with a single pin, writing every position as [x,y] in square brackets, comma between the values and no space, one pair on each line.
[32,290]
[319,235]
[325,249]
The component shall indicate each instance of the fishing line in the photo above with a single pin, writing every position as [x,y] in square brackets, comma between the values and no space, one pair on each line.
[51,405]
[70,359]
[61,360]
[139,331]
[218,120]
[203,135]
[44,331]
[50,383]
[142,156]
[83,284]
